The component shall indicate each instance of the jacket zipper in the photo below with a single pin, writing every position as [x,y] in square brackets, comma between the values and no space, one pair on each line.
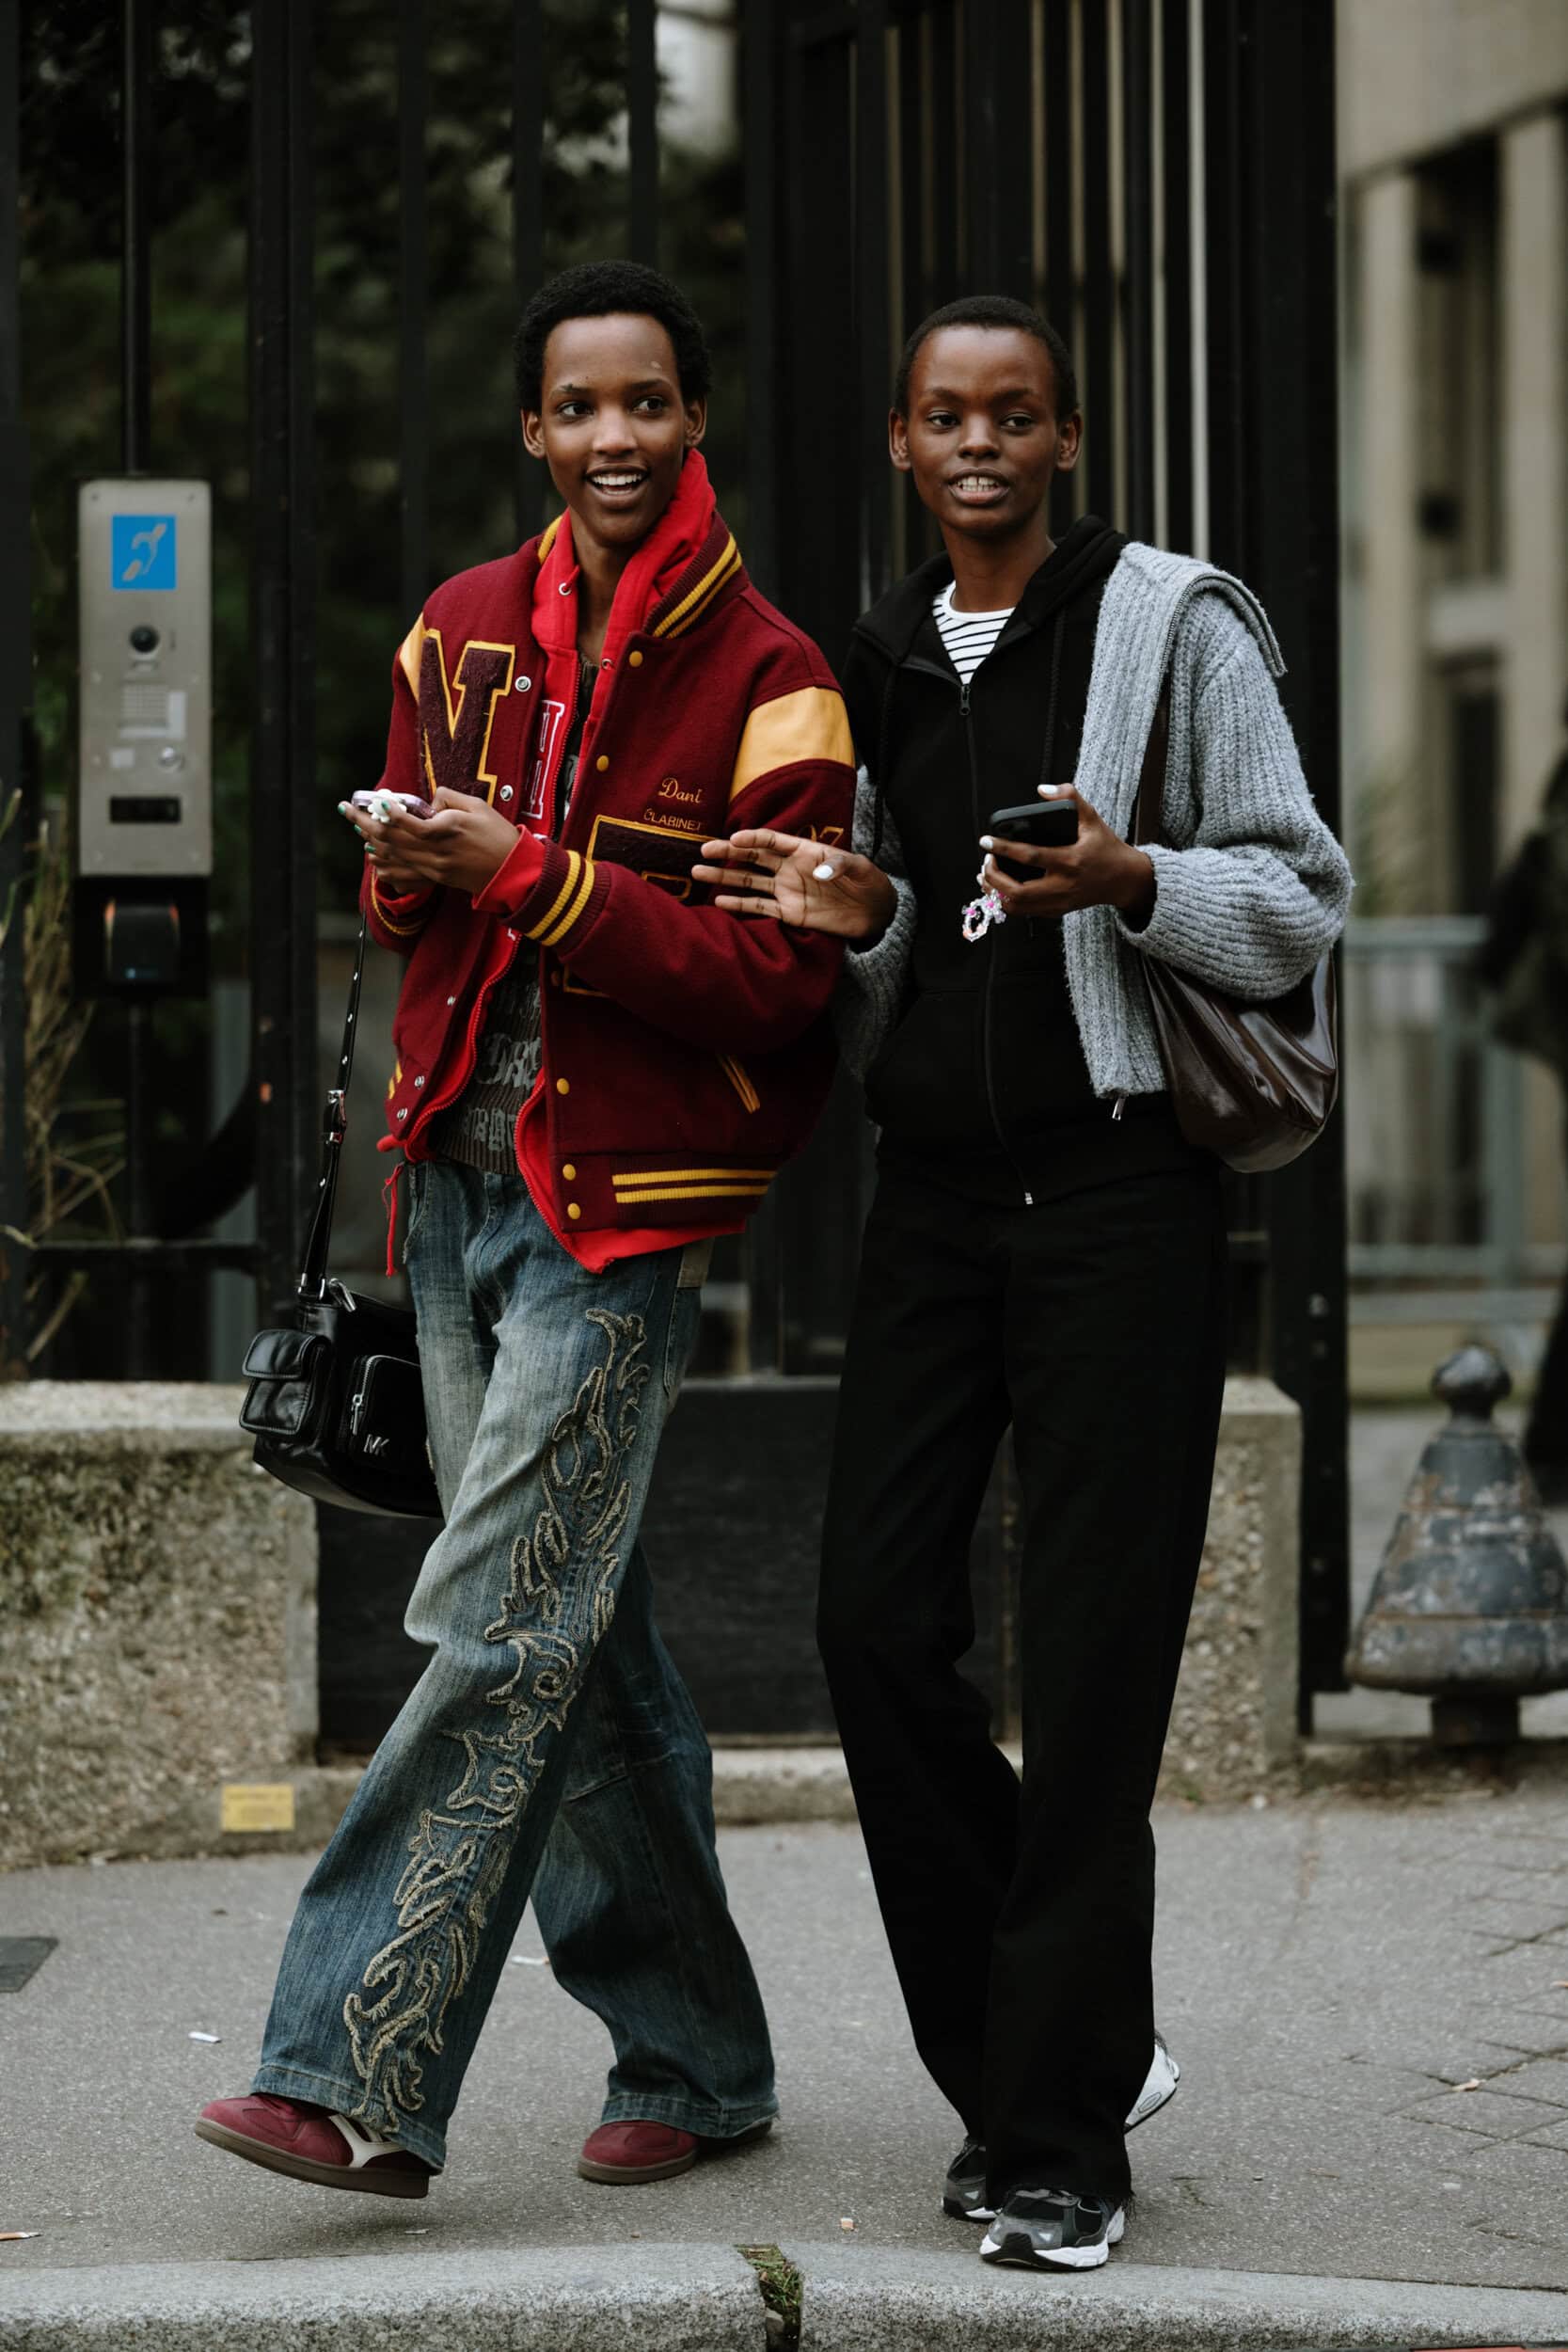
[991,960]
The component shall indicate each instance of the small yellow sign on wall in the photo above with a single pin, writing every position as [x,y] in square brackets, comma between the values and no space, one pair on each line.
[259,1805]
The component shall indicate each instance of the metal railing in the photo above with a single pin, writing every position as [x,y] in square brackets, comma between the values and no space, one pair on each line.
[1437,1134]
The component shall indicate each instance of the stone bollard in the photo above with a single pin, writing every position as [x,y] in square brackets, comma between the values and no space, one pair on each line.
[1470,1605]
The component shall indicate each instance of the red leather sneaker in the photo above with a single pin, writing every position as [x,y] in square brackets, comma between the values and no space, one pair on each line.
[312,2143]
[653,2152]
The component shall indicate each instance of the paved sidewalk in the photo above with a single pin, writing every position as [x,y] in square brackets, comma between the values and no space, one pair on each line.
[1329,1976]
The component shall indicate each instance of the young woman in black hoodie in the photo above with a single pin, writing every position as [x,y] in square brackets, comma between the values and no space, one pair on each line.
[1035,1255]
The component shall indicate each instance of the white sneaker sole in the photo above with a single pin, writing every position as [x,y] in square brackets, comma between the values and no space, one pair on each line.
[1161,2085]
[1016,2249]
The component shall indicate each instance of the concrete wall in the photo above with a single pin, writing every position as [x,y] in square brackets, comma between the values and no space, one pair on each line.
[1418,74]
[157,1602]
[1234,1722]
[157,1619]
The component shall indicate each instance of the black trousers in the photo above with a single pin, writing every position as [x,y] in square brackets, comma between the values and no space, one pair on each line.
[1021,1918]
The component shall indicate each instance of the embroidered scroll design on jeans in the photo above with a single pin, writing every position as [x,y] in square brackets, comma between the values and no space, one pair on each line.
[459,1854]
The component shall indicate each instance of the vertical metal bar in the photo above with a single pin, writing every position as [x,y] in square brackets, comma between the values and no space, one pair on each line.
[1226,172]
[15,696]
[944,281]
[528,214]
[1000,257]
[136,353]
[1100,386]
[762,108]
[872,291]
[1175,158]
[413,310]
[136,280]
[284,810]
[642,132]
[1060,132]
[1138,291]
[1274,506]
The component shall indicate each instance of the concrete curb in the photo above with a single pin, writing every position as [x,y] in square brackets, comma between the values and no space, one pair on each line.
[703,2297]
[547,2299]
[873,2298]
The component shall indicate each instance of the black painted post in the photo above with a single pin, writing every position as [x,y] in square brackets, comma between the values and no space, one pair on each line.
[1138,237]
[1175,168]
[642,132]
[15,698]
[1063,142]
[412,311]
[758,66]
[135,351]
[283,782]
[1274,507]
[873,291]
[528,216]
[997,147]
[1100,386]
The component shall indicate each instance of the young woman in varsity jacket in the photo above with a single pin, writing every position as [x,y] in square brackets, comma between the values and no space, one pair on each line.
[595,1073]
[1043,1248]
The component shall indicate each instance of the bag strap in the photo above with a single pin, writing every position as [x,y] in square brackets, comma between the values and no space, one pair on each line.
[1149,809]
[312,1278]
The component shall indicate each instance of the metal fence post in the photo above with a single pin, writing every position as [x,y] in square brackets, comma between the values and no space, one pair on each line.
[15,698]
[282,776]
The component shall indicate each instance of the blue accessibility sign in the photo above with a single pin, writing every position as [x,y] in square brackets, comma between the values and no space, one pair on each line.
[142,551]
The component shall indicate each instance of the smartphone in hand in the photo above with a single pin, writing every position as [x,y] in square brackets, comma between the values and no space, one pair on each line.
[1044,824]
[410,802]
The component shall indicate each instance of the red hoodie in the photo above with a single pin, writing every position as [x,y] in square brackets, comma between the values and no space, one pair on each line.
[687,1052]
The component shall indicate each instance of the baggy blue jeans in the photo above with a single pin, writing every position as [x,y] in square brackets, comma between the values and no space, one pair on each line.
[550,1746]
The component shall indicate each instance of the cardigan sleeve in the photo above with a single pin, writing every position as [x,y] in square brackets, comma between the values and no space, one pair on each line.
[870,993]
[1261,888]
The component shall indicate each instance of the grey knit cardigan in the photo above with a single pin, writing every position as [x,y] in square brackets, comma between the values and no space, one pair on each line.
[1254,886]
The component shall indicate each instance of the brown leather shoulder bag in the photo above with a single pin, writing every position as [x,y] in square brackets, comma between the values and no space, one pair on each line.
[1254,1084]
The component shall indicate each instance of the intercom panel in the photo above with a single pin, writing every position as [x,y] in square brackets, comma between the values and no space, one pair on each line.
[146,789]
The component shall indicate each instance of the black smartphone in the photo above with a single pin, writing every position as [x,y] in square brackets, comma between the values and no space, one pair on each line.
[1044,824]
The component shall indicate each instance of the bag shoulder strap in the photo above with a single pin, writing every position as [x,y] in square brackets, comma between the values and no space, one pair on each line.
[312,1278]
[1149,809]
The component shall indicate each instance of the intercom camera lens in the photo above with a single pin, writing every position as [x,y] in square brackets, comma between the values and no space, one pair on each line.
[143,638]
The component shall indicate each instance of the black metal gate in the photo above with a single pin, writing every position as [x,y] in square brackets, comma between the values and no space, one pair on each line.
[1160,174]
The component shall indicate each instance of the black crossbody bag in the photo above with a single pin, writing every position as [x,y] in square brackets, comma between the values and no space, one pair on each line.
[335,1402]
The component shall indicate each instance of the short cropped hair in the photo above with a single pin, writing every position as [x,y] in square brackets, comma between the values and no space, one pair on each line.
[991,310]
[596,289]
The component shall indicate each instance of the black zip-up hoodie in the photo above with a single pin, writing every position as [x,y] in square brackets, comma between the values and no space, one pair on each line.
[983,1081]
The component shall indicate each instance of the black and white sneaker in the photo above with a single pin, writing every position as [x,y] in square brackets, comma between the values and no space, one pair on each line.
[1052,2228]
[1160,2085]
[963,2193]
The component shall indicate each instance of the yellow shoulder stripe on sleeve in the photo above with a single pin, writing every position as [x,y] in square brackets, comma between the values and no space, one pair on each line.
[809,725]
[410,654]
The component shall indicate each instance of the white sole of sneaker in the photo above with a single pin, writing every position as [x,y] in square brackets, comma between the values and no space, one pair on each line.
[364,2183]
[1016,2249]
[1144,2110]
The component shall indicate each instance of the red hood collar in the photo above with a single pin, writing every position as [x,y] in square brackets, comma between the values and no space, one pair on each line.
[678,538]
